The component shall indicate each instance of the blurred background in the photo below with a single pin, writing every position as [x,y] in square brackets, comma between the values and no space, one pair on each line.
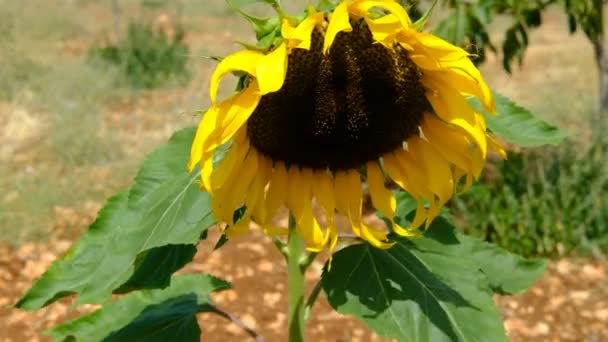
[88,88]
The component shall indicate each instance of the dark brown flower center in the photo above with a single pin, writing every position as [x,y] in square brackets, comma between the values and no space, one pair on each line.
[343,109]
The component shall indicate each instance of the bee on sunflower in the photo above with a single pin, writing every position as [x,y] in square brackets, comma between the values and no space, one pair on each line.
[358,93]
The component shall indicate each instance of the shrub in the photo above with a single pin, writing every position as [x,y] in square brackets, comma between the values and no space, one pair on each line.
[147,57]
[550,201]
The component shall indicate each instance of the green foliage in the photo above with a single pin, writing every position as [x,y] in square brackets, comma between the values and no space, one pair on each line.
[152,315]
[147,57]
[435,288]
[467,23]
[519,126]
[549,201]
[163,207]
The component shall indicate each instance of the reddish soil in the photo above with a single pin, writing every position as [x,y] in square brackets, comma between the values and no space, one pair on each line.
[570,303]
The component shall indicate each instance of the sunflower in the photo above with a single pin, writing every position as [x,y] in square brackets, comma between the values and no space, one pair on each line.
[357,94]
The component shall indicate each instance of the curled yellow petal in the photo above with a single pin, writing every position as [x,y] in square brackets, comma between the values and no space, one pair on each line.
[361,8]
[271,69]
[452,107]
[436,169]
[300,36]
[231,115]
[299,201]
[452,144]
[245,61]
[384,29]
[338,22]
[383,199]
[351,182]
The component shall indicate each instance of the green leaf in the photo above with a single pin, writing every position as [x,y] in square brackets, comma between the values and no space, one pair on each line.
[519,126]
[418,290]
[163,207]
[508,273]
[326,5]
[154,267]
[413,295]
[150,315]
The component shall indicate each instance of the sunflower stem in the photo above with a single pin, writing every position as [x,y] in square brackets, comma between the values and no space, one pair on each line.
[295,283]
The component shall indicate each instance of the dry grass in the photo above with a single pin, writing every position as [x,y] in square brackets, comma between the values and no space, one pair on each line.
[67,121]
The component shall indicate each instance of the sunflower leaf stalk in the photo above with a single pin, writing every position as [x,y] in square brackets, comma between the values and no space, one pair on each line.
[295,283]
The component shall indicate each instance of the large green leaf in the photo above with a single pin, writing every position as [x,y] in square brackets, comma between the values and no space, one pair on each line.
[507,273]
[163,207]
[415,291]
[154,267]
[519,126]
[150,315]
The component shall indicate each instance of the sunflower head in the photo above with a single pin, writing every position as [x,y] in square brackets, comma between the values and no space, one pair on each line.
[356,94]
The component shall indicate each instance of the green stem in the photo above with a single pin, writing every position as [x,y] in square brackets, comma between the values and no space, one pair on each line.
[295,283]
[311,299]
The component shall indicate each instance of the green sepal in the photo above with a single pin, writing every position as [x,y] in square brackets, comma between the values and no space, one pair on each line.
[420,23]
[261,26]
[326,5]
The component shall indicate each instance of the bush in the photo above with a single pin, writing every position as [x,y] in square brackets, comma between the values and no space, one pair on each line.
[550,201]
[146,56]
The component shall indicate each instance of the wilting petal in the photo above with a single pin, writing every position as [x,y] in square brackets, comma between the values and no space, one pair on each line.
[300,36]
[339,22]
[245,61]
[383,199]
[270,70]
[361,8]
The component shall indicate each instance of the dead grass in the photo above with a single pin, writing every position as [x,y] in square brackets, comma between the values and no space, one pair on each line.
[81,120]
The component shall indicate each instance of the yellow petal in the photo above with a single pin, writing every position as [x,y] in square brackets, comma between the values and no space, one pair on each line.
[451,143]
[338,22]
[271,230]
[453,108]
[206,173]
[384,29]
[464,76]
[437,170]
[495,146]
[254,199]
[342,190]
[238,229]
[361,8]
[276,194]
[354,199]
[231,196]
[205,127]
[299,201]
[300,36]
[230,164]
[324,192]
[394,170]
[400,165]
[271,69]
[232,114]
[382,198]
[245,61]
